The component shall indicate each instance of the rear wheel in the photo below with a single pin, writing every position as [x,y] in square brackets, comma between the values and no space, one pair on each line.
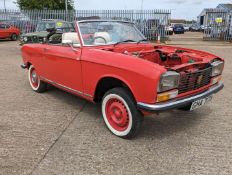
[36,84]
[14,37]
[120,113]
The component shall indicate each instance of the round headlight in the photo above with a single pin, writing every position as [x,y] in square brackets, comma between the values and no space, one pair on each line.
[217,68]
[169,81]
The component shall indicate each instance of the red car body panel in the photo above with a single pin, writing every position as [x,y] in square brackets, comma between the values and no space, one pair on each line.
[7,33]
[138,66]
[123,67]
[83,69]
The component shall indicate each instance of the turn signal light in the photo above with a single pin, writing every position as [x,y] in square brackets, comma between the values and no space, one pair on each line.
[167,96]
[215,80]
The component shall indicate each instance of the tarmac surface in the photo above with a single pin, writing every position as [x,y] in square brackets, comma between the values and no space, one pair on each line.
[58,133]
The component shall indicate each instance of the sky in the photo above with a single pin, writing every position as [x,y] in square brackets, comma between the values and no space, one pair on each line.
[181,9]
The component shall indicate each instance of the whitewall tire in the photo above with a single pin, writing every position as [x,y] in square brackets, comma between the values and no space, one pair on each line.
[36,84]
[120,113]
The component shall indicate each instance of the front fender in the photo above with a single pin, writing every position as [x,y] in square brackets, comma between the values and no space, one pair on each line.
[140,76]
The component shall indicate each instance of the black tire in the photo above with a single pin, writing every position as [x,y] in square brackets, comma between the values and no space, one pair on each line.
[119,111]
[14,37]
[36,84]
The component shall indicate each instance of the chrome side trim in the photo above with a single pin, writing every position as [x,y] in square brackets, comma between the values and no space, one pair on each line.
[65,87]
[88,95]
[179,102]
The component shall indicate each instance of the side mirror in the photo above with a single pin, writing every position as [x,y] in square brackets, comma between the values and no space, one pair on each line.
[70,43]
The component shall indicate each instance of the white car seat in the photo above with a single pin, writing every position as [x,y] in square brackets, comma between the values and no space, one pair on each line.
[102,35]
[71,36]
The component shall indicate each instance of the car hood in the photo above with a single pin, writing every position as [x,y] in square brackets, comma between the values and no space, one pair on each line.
[168,57]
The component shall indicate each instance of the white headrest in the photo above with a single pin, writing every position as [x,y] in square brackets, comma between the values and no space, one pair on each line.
[73,36]
[102,35]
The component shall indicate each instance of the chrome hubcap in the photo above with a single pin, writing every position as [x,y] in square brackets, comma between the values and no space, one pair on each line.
[33,77]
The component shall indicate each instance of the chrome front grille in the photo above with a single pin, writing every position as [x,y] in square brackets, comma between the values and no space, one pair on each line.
[195,80]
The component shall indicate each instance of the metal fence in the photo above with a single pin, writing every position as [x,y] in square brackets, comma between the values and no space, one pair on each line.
[152,23]
[218,25]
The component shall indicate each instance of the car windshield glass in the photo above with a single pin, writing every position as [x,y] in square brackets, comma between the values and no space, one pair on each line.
[109,32]
[43,26]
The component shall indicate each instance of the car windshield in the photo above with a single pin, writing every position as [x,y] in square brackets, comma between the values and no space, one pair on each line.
[109,32]
[43,26]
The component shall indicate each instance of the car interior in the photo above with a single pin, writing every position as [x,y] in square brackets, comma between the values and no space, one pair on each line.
[99,38]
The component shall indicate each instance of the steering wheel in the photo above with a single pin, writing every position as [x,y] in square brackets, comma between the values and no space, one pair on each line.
[99,37]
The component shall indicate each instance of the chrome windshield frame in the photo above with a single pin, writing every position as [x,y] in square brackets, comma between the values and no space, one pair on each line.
[118,21]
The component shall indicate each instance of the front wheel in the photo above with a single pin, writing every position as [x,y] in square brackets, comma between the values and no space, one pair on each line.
[120,113]
[14,37]
[36,84]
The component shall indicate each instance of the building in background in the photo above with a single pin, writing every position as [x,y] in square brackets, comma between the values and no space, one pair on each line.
[217,22]
[227,7]
[221,7]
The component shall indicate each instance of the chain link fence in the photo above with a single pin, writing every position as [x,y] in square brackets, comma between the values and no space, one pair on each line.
[152,23]
[218,25]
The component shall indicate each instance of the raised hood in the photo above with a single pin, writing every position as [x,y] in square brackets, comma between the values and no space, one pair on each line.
[171,58]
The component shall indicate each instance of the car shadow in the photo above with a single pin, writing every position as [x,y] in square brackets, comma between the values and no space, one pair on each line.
[154,126]
[7,40]
[4,40]
[172,122]
[65,97]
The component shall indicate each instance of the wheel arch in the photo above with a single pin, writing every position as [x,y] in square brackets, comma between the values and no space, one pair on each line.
[28,64]
[106,83]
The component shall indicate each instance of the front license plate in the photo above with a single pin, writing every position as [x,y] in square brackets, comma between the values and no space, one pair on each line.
[199,103]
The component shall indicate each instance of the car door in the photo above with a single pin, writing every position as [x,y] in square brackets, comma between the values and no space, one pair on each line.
[62,65]
[9,30]
[3,31]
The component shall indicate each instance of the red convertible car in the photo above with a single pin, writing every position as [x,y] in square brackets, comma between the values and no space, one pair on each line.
[8,31]
[113,64]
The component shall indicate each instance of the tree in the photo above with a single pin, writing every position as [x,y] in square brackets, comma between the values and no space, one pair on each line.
[44,4]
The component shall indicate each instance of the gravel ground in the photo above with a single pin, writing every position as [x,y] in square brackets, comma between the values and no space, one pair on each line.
[58,133]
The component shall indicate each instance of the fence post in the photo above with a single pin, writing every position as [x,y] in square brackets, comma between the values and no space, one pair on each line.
[150,22]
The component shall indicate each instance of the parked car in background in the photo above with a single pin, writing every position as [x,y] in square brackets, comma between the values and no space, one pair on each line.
[24,26]
[202,28]
[118,68]
[178,29]
[41,30]
[9,31]
[195,28]
[169,30]
[186,28]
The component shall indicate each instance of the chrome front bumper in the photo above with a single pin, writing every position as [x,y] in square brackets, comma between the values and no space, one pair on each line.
[173,104]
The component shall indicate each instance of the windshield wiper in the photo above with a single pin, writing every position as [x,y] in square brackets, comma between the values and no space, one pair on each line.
[125,41]
[142,40]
